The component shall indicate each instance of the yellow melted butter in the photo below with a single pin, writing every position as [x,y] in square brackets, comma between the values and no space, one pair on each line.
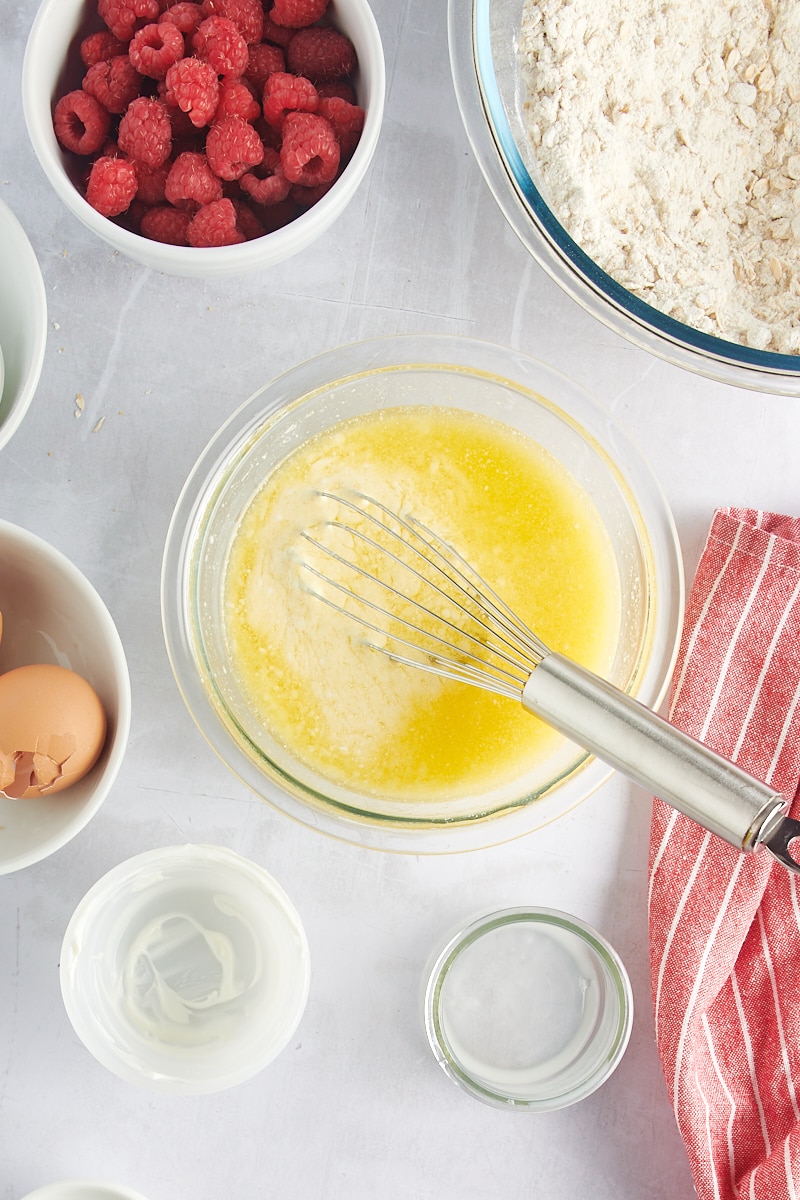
[351,714]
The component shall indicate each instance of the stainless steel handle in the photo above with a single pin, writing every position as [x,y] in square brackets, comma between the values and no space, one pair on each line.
[680,770]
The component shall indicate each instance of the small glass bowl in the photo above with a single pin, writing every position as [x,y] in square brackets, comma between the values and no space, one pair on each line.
[427,370]
[483,36]
[528,1009]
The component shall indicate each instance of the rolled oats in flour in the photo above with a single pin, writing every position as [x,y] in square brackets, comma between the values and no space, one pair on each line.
[667,134]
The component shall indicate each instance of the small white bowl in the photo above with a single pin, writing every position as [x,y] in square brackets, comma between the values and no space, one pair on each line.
[185,969]
[43,82]
[52,614]
[83,1189]
[23,323]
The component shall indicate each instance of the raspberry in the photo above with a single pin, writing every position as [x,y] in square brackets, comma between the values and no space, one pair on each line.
[309,153]
[124,17]
[247,222]
[191,182]
[284,93]
[236,100]
[112,185]
[99,46]
[279,35]
[263,60]
[232,146]
[215,225]
[247,16]
[346,119]
[145,132]
[218,42]
[267,184]
[80,122]
[152,183]
[307,197]
[114,82]
[322,55]
[340,88]
[297,13]
[186,16]
[154,49]
[166,224]
[193,86]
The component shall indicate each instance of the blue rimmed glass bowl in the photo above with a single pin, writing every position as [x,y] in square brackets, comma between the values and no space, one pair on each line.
[483,36]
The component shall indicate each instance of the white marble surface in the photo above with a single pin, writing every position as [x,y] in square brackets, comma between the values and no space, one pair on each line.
[356,1106]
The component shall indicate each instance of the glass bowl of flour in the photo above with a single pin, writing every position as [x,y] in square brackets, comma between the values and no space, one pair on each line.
[648,157]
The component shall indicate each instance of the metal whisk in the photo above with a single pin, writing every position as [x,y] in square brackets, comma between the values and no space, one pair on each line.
[426,607]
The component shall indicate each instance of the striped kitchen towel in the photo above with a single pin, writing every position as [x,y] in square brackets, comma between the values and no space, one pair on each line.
[725,927]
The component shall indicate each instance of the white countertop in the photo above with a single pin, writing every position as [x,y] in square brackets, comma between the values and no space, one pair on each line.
[356,1106]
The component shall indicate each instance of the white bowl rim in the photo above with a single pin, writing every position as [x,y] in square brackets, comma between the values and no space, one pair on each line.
[31,374]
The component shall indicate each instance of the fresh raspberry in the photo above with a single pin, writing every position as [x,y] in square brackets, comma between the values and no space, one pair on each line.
[267,184]
[309,153]
[341,89]
[285,93]
[99,46]
[152,183]
[297,13]
[145,132]
[236,100]
[186,16]
[112,185]
[219,43]
[191,182]
[193,86]
[80,122]
[278,35]
[247,222]
[166,224]
[263,60]
[154,48]
[247,16]
[114,82]
[232,147]
[322,55]
[347,121]
[124,17]
[307,197]
[215,225]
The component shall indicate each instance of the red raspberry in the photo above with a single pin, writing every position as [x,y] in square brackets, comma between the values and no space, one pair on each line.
[145,132]
[154,49]
[247,222]
[191,182]
[187,16]
[284,93]
[236,100]
[219,43]
[232,146]
[297,13]
[193,86]
[247,16]
[309,153]
[112,185]
[99,46]
[307,197]
[341,88]
[267,184]
[80,122]
[322,55]
[124,17]
[279,35]
[263,60]
[167,224]
[347,121]
[215,225]
[152,183]
[114,82]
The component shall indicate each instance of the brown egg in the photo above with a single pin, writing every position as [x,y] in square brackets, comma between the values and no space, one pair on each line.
[52,729]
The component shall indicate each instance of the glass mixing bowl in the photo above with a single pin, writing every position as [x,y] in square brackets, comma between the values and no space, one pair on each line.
[483,37]
[362,378]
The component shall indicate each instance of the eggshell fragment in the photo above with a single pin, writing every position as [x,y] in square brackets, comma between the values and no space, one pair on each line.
[52,729]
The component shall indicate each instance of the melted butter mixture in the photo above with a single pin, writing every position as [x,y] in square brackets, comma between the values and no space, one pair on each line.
[351,714]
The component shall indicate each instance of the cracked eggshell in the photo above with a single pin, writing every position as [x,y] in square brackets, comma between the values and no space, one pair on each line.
[52,729]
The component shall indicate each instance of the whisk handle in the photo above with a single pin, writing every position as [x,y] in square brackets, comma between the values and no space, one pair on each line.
[680,770]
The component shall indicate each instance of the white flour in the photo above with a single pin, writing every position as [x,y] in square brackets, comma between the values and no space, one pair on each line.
[667,134]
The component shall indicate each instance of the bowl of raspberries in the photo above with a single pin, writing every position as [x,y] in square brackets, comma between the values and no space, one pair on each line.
[204,137]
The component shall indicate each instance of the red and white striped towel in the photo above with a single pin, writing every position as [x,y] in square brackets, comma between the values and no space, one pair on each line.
[725,927]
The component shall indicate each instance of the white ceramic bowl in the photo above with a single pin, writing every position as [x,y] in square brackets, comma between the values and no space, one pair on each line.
[45,78]
[23,323]
[52,614]
[83,1189]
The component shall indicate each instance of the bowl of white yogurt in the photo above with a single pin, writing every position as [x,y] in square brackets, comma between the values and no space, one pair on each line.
[649,162]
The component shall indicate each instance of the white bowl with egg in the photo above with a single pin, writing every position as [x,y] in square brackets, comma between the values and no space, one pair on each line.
[421,803]
[23,323]
[53,616]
